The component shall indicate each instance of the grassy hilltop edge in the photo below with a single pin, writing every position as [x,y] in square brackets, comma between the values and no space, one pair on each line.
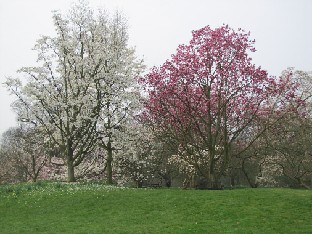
[47,207]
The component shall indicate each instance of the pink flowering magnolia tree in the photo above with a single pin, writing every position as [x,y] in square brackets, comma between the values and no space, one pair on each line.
[209,95]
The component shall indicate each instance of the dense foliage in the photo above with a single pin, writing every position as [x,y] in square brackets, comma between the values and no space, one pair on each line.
[211,99]
[83,88]
[207,118]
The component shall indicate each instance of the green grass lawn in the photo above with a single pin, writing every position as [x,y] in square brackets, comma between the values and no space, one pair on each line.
[92,208]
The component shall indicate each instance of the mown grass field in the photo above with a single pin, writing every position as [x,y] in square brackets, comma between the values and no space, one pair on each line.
[93,208]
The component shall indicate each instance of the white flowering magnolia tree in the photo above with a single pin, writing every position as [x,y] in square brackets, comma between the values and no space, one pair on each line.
[192,164]
[82,86]
[136,153]
[120,101]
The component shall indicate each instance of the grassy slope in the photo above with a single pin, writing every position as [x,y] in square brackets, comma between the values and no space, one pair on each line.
[55,208]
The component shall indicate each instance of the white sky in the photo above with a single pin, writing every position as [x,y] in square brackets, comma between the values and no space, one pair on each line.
[282,29]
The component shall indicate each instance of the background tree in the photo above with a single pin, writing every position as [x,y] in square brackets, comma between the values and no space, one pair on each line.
[208,96]
[133,154]
[120,102]
[288,143]
[24,153]
[68,93]
[93,166]
[289,152]
[10,170]
[246,168]
[143,156]
[284,147]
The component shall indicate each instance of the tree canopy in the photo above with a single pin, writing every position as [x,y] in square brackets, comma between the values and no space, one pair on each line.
[83,83]
[210,94]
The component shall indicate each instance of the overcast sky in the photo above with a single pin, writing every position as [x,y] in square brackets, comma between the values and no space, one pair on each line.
[282,29]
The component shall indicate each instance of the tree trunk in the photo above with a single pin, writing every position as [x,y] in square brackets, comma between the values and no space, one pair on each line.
[109,163]
[232,181]
[251,183]
[167,179]
[35,177]
[301,184]
[140,184]
[33,164]
[216,182]
[70,171]
[213,178]
[70,164]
